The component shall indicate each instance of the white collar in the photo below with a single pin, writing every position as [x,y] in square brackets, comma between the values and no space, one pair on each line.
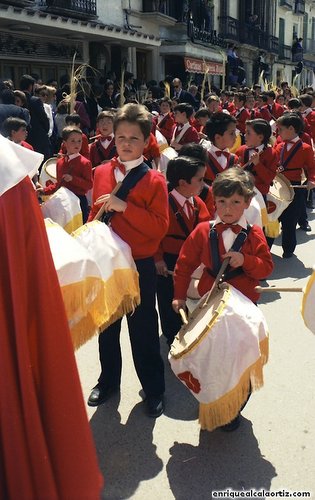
[74,155]
[214,149]
[307,111]
[16,162]
[132,163]
[296,139]
[180,198]
[241,222]
[104,141]
[259,148]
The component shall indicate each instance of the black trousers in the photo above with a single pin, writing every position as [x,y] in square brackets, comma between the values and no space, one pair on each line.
[170,321]
[84,207]
[144,339]
[289,219]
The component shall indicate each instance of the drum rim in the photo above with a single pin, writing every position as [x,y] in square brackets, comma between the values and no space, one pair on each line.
[227,290]
[288,185]
[51,160]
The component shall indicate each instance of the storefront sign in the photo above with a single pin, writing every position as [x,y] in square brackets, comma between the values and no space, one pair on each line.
[199,66]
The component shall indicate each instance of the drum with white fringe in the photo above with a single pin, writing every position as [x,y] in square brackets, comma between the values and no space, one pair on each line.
[219,355]
[63,207]
[279,197]
[167,154]
[48,173]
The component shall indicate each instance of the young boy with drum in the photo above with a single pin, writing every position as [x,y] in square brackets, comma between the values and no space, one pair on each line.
[186,210]
[103,149]
[74,120]
[74,171]
[294,157]
[210,244]
[140,217]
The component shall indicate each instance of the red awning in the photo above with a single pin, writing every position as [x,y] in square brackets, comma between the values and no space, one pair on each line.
[199,66]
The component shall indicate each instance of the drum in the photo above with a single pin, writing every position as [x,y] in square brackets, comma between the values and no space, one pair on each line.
[237,144]
[48,174]
[113,256]
[256,213]
[280,195]
[80,282]
[166,155]
[308,309]
[64,208]
[219,355]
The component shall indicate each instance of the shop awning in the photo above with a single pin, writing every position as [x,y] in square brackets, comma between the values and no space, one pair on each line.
[199,66]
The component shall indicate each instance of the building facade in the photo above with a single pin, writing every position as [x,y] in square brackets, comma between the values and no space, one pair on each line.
[156,38]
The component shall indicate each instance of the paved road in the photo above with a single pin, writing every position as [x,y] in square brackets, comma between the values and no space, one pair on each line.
[171,458]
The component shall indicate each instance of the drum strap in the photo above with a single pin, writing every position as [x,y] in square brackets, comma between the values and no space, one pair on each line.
[284,164]
[180,218]
[215,254]
[214,168]
[128,183]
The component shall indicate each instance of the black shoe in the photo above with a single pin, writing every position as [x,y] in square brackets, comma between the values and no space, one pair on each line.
[287,255]
[154,406]
[99,395]
[306,227]
[232,426]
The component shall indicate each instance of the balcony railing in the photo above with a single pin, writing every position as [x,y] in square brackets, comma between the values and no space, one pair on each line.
[287,4]
[299,7]
[229,28]
[233,29]
[19,3]
[85,9]
[284,52]
[167,8]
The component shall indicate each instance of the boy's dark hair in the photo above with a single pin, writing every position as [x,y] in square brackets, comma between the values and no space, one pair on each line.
[263,97]
[261,127]
[182,167]
[67,131]
[166,99]
[12,124]
[26,81]
[73,118]
[218,124]
[184,107]
[105,114]
[294,103]
[270,93]
[291,119]
[234,180]
[306,100]
[194,150]
[241,97]
[202,113]
[134,113]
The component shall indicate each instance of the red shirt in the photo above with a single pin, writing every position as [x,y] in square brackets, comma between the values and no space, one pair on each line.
[310,121]
[81,171]
[98,154]
[241,119]
[213,167]
[304,138]
[302,160]
[26,145]
[196,250]
[263,113]
[84,151]
[145,221]
[165,126]
[172,245]
[264,172]
[152,150]
[191,135]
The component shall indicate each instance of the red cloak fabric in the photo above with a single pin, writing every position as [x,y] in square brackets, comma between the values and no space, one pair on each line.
[46,446]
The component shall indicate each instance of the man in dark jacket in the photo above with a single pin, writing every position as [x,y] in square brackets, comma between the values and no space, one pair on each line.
[182,95]
[8,108]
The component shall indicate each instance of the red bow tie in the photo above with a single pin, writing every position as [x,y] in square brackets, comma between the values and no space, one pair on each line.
[221,226]
[120,166]
[224,153]
[108,138]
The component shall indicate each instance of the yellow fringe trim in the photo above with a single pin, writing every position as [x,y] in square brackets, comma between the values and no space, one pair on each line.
[93,304]
[225,409]
[162,147]
[74,223]
[308,287]
[264,216]
[272,229]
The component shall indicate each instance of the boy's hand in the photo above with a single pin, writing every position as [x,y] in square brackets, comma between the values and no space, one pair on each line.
[202,136]
[178,304]
[112,203]
[161,268]
[236,258]
[67,177]
[254,158]
[176,145]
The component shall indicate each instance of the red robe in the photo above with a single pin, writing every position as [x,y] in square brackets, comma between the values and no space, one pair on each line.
[191,135]
[166,126]
[241,119]
[46,449]
[265,171]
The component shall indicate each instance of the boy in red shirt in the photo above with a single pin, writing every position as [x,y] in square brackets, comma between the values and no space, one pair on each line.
[74,171]
[15,129]
[241,113]
[75,121]
[165,121]
[141,219]
[103,149]
[183,132]
[186,210]
[232,190]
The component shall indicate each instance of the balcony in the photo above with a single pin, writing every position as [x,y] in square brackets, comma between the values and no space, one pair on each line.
[299,8]
[82,9]
[284,52]
[19,3]
[310,46]
[286,4]
[168,8]
[229,28]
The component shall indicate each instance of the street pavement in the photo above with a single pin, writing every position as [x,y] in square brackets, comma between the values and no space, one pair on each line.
[274,448]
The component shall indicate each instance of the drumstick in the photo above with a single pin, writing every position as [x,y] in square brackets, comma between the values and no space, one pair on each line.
[183,315]
[217,280]
[102,209]
[260,289]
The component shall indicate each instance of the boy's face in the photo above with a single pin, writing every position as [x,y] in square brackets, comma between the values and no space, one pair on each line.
[18,136]
[194,187]
[165,108]
[250,102]
[202,120]
[227,139]
[286,133]
[237,103]
[129,141]
[74,143]
[105,126]
[180,117]
[231,209]
[260,102]
[213,106]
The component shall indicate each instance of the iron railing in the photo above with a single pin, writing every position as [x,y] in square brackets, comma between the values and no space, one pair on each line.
[71,8]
